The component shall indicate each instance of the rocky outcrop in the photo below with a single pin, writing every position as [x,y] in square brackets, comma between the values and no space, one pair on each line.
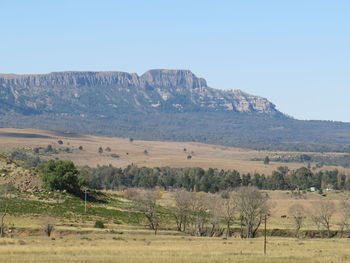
[173,78]
[22,179]
[109,93]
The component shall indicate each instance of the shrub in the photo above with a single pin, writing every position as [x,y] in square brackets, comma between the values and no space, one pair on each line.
[49,149]
[99,224]
[36,150]
[67,150]
[48,224]
[28,160]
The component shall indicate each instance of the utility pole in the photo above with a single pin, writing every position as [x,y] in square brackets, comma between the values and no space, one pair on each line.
[265,238]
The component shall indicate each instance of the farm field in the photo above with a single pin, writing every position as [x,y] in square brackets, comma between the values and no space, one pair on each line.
[159,154]
[147,248]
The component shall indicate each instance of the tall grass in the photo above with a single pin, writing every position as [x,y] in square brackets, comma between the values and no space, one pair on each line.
[146,248]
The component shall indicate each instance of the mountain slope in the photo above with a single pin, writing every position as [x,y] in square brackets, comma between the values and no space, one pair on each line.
[159,105]
[108,93]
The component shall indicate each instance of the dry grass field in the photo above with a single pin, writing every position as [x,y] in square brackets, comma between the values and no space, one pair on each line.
[77,241]
[159,153]
[147,248]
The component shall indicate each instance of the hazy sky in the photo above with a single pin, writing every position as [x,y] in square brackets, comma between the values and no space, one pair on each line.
[295,53]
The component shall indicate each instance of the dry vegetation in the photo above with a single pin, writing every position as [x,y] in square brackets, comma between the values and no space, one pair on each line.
[158,154]
[147,248]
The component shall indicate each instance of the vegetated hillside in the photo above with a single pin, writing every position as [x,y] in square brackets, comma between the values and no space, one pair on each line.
[170,105]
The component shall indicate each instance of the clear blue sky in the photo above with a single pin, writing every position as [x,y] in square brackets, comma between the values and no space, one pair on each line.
[296,53]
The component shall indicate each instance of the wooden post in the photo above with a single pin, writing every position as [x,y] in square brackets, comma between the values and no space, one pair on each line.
[265,238]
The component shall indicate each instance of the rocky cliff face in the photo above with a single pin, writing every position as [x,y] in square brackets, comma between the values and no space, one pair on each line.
[109,93]
[159,105]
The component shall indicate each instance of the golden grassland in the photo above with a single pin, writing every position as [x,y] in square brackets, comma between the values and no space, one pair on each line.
[160,154]
[80,242]
[147,248]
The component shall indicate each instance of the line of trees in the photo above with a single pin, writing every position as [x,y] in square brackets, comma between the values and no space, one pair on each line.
[203,214]
[211,180]
[321,215]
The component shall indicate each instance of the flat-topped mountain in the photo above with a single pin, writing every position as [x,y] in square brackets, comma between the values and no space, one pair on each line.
[161,104]
[108,93]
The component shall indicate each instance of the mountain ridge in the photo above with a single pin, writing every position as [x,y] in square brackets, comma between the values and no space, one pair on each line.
[172,105]
[161,89]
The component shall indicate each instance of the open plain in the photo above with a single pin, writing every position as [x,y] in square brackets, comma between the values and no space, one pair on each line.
[159,154]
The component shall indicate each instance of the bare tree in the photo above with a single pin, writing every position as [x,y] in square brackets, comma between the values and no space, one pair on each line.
[48,224]
[146,203]
[322,213]
[5,191]
[252,206]
[4,211]
[214,210]
[199,213]
[182,209]
[343,224]
[316,220]
[198,210]
[228,208]
[297,213]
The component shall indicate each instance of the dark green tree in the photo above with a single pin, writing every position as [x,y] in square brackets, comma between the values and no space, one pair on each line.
[266,160]
[62,175]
